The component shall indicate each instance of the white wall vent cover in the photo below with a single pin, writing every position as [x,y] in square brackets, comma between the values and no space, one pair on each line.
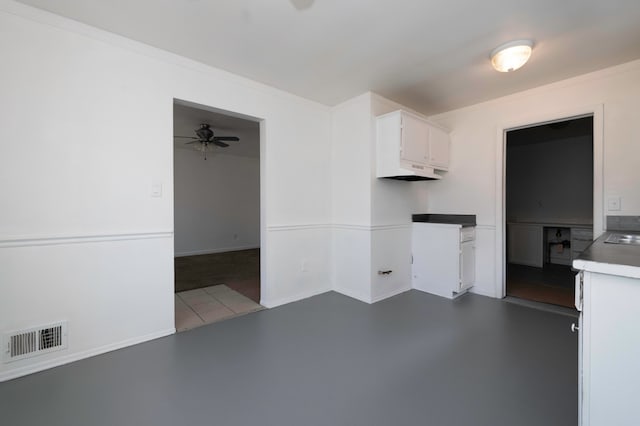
[34,341]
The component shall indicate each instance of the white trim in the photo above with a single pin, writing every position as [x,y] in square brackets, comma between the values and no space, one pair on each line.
[597,111]
[370,228]
[47,240]
[475,290]
[390,227]
[486,227]
[290,299]
[212,251]
[265,287]
[351,227]
[392,293]
[56,362]
[298,227]
[361,297]
[342,226]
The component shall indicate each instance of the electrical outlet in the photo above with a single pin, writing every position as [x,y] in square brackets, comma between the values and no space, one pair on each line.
[613,204]
[304,267]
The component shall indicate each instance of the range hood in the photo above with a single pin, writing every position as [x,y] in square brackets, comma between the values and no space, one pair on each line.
[407,174]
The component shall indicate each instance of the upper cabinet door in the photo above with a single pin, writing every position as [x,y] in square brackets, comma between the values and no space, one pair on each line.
[415,134]
[438,148]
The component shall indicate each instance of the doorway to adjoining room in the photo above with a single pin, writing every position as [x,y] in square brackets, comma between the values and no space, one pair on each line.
[216,215]
[549,207]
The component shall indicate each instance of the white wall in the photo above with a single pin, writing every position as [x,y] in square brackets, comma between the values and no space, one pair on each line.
[470,184]
[550,181]
[393,203]
[217,202]
[86,129]
[371,216]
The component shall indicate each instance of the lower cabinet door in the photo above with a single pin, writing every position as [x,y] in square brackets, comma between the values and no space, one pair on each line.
[467,265]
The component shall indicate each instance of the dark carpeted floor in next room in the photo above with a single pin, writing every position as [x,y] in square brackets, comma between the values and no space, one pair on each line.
[552,284]
[238,270]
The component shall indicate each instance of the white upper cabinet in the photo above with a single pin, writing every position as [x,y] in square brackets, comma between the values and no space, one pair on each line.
[414,133]
[410,148]
[438,148]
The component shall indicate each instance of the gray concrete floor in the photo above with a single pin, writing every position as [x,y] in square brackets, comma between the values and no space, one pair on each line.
[414,359]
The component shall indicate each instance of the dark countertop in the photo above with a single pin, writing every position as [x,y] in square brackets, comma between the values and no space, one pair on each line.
[616,259]
[553,223]
[451,219]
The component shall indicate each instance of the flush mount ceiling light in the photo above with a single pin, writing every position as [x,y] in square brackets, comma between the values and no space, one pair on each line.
[511,56]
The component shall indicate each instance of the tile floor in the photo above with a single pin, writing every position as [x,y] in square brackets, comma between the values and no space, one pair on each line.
[194,308]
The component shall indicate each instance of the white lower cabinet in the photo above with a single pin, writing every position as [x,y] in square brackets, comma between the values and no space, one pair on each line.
[525,244]
[609,350]
[443,258]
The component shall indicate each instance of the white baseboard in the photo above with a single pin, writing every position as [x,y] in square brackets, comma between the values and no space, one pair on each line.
[481,292]
[389,294]
[212,251]
[353,294]
[56,362]
[289,299]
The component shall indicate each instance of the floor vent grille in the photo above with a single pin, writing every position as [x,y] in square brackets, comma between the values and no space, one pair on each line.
[34,341]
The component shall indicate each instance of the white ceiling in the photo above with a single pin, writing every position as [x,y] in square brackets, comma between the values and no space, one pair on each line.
[187,119]
[431,55]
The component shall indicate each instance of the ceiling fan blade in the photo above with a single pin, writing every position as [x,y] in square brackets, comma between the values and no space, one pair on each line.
[197,140]
[226,138]
[184,137]
[222,144]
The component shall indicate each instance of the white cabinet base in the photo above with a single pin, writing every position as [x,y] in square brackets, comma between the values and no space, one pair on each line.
[610,350]
[442,264]
[524,244]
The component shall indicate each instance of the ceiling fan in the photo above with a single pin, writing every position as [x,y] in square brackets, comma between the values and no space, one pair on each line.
[206,138]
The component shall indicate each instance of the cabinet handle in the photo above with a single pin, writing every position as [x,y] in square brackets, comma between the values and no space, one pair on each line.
[574,328]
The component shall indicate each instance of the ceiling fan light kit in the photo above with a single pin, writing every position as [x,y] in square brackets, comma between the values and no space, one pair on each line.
[206,138]
[511,56]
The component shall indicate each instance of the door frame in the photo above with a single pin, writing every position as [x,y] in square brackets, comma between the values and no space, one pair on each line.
[536,119]
[264,287]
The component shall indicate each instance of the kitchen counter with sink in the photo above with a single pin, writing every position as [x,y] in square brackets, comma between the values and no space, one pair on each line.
[608,296]
[614,253]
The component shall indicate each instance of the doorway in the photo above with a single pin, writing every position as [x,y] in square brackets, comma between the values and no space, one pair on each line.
[217,227]
[549,199]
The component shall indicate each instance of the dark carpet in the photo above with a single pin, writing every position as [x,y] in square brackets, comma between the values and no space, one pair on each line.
[552,284]
[239,270]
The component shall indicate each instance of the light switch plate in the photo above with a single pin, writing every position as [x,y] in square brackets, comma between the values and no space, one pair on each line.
[156,189]
[613,204]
